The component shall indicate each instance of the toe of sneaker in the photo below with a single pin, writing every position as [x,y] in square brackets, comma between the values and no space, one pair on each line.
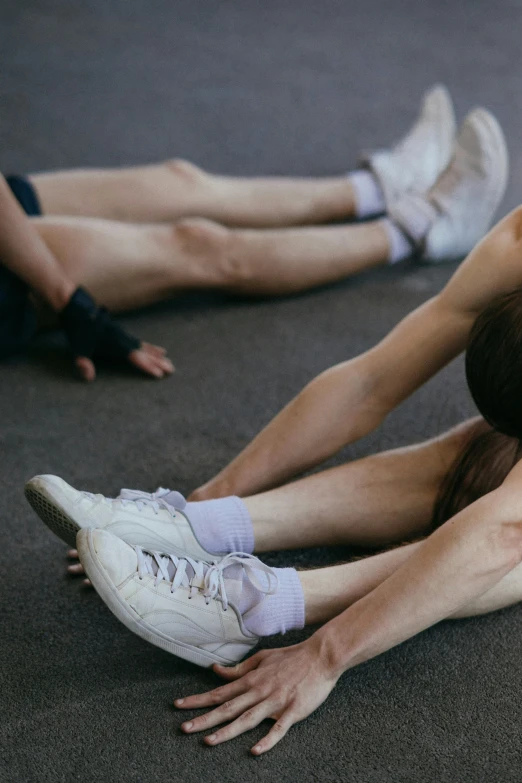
[108,552]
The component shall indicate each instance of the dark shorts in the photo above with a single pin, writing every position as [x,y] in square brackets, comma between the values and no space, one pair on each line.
[24,193]
[17,315]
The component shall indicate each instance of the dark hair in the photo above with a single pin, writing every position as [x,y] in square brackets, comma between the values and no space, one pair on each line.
[494,363]
[494,375]
[481,466]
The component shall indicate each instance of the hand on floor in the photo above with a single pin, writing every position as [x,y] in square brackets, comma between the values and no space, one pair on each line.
[285,684]
[150,358]
[76,568]
[93,334]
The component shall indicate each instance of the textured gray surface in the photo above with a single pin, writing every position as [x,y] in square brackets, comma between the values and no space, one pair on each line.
[243,87]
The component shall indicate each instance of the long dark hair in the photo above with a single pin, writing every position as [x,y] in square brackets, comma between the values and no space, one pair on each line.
[494,375]
[482,465]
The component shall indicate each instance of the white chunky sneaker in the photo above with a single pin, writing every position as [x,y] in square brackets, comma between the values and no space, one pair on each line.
[447,222]
[418,159]
[179,604]
[139,518]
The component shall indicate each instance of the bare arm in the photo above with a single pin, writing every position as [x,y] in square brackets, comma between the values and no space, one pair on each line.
[350,400]
[457,564]
[24,253]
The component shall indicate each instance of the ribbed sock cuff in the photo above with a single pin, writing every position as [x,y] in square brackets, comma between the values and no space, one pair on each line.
[284,611]
[222,525]
[369,196]
[400,245]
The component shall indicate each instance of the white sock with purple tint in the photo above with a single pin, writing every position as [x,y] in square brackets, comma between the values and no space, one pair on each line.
[369,197]
[222,525]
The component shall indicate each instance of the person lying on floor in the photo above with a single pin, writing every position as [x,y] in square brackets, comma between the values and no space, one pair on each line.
[135,236]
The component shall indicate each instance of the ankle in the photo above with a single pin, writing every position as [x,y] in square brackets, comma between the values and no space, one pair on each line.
[221,526]
[278,613]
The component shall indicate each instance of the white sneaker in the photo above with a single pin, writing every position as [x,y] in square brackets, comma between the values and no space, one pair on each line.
[178,604]
[139,518]
[418,159]
[449,220]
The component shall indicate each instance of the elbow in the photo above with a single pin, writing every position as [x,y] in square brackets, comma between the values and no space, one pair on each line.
[502,543]
[510,542]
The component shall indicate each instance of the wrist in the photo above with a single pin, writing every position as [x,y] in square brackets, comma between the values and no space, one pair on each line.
[333,651]
[61,295]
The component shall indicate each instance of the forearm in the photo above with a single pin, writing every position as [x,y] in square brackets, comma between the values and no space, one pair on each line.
[346,402]
[457,564]
[336,408]
[27,256]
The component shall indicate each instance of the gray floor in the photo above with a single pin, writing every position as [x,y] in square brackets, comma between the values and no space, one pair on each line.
[242,87]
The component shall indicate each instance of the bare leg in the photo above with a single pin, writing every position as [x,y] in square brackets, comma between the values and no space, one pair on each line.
[380,500]
[329,591]
[284,261]
[176,189]
[126,266]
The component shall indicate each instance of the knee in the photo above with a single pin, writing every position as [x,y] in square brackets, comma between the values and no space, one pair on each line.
[219,250]
[198,235]
[188,173]
[206,244]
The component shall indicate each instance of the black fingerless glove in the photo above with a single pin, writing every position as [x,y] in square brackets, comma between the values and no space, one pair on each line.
[91,330]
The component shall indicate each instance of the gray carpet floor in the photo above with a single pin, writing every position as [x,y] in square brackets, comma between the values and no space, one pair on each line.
[245,88]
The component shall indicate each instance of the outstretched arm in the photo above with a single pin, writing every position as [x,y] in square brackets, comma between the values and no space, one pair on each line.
[464,559]
[350,400]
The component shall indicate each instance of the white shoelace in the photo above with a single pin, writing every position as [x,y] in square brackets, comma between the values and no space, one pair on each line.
[141,500]
[207,577]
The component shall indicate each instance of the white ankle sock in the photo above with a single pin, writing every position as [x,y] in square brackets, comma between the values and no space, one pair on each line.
[263,614]
[369,197]
[400,245]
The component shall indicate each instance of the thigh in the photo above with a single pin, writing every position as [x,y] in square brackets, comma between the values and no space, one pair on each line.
[124,266]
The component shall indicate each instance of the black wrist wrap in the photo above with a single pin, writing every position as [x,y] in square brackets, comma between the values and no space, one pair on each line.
[91,330]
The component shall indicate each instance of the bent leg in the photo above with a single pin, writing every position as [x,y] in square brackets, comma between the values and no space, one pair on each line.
[176,189]
[382,499]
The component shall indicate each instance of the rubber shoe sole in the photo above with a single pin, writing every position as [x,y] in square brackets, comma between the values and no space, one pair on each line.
[51,512]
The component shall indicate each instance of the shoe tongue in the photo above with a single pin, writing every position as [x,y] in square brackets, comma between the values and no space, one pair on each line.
[240,590]
[171,568]
[174,499]
[233,578]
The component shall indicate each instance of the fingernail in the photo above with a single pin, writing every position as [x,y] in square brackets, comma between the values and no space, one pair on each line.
[212,738]
[188,726]
[179,701]
[257,749]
